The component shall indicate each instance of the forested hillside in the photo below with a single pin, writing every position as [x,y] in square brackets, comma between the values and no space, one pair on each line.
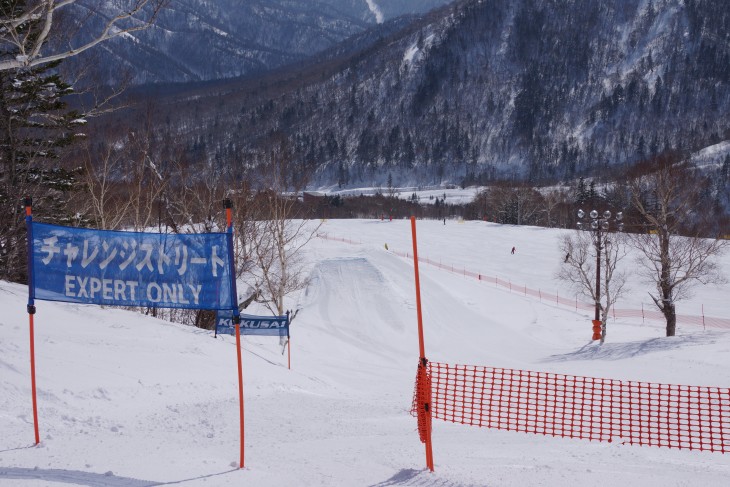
[539,90]
[194,40]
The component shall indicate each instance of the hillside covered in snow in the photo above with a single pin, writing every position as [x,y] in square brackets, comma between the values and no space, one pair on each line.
[126,400]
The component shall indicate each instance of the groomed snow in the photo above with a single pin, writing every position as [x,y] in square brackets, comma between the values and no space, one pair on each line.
[126,400]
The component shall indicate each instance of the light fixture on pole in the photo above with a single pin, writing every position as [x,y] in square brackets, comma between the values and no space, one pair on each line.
[599,225]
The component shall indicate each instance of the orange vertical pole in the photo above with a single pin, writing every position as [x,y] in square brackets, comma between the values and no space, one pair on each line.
[240,383]
[237,322]
[31,312]
[32,381]
[288,340]
[421,342]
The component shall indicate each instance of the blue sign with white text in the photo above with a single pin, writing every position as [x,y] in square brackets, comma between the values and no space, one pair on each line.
[252,325]
[132,268]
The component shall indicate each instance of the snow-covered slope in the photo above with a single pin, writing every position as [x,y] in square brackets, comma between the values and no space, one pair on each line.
[126,400]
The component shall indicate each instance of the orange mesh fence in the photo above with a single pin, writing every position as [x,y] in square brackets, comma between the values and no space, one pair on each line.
[422,402]
[700,320]
[637,413]
[706,321]
[337,239]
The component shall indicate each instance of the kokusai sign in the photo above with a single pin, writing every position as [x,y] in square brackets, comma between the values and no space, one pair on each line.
[131,269]
[252,325]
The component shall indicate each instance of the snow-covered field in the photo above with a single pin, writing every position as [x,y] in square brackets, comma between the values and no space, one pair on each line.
[126,400]
[452,195]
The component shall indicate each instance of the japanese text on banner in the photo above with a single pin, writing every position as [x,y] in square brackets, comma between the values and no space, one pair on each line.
[132,269]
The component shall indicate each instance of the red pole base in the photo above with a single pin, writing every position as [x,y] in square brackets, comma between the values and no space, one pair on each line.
[596,329]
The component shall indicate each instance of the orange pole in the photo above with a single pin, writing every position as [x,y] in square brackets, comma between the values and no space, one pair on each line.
[240,384]
[421,345]
[32,380]
[421,342]
[228,217]
[31,311]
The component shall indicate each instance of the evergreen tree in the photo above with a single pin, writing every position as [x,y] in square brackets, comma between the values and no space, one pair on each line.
[35,126]
[581,193]
[592,193]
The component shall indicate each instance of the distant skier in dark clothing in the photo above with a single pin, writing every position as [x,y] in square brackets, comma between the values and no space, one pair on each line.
[513,250]
[567,257]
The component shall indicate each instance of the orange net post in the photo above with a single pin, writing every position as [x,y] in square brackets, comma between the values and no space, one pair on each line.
[422,401]
[424,407]
[629,412]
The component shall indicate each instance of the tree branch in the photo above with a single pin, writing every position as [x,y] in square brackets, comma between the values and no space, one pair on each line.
[29,48]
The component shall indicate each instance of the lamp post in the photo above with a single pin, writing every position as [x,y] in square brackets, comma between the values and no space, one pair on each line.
[598,225]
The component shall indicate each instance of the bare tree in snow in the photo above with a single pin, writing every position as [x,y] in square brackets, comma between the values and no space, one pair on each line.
[666,200]
[278,235]
[579,268]
[26,26]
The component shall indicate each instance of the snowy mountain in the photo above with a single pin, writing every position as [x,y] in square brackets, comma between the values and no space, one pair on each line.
[478,90]
[126,400]
[194,40]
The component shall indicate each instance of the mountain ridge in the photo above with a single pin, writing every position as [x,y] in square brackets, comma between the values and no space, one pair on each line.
[476,91]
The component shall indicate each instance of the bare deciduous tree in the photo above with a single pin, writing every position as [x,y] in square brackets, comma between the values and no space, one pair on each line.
[26,26]
[666,201]
[552,201]
[276,244]
[516,205]
[278,236]
[105,204]
[579,269]
[124,179]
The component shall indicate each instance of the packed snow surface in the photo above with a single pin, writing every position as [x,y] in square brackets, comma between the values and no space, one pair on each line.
[125,400]
[453,195]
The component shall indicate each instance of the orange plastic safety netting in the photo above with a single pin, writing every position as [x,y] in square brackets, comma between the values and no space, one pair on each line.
[422,401]
[637,413]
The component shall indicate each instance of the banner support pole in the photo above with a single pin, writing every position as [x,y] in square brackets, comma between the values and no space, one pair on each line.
[31,311]
[288,341]
[236,317]
[32,376]
[421,345]
[237,321]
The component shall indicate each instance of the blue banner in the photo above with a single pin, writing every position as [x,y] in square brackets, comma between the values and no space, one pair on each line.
[252,325]
[82,265]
